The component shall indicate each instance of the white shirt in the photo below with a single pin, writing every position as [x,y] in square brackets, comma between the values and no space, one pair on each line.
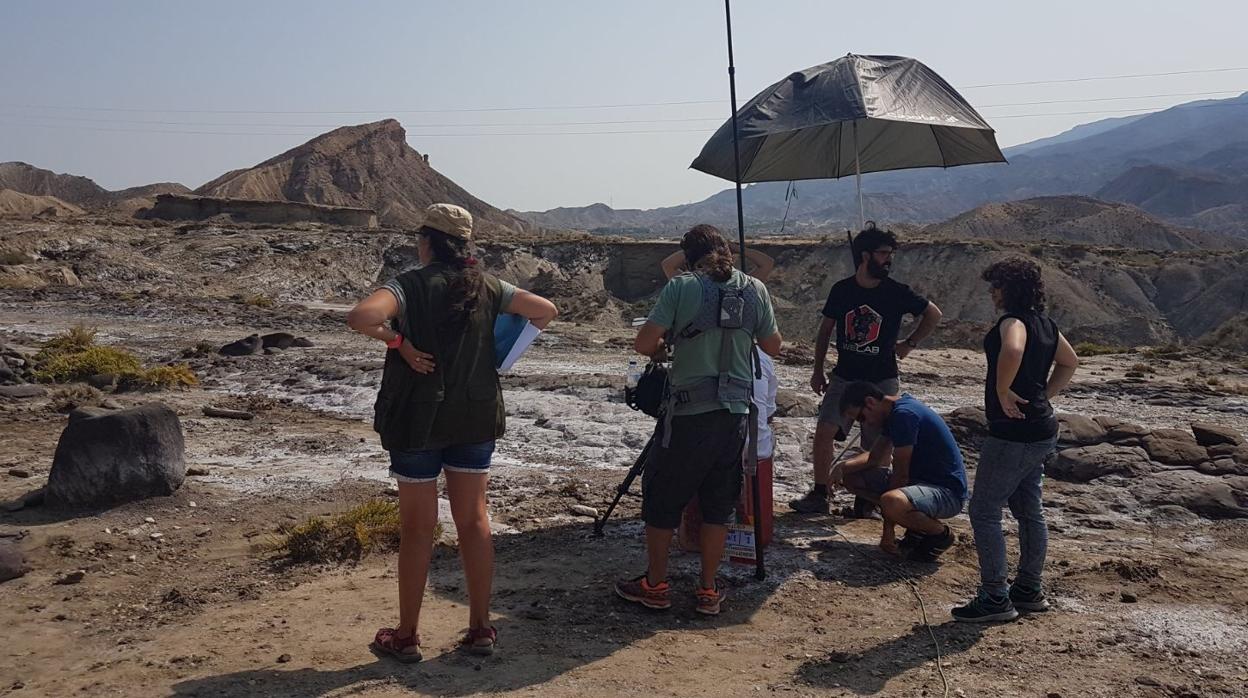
[765,400]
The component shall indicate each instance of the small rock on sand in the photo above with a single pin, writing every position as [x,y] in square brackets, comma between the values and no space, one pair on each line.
[582,510]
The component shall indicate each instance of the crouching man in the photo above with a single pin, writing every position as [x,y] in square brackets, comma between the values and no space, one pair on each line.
[712,317]
[927,482]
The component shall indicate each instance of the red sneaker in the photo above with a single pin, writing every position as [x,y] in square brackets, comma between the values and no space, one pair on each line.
[709,600]
[639,591]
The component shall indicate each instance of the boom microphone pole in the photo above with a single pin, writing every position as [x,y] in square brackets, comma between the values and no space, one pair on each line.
[760,570]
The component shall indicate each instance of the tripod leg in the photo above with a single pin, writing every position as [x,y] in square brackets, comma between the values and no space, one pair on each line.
[638,466]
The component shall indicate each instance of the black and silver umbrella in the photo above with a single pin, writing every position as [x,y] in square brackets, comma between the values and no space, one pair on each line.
[853,115]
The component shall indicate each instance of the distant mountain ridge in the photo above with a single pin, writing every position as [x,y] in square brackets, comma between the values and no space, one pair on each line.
[80,192]
[1210,135]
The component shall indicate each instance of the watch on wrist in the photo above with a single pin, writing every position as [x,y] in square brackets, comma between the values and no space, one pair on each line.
[396,342]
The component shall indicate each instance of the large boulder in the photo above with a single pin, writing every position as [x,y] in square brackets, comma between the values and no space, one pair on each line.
[1078,430]
[796,403]
[251,344]
[1125,433]
[107,457]
[1209,496]
[12,562]
[1213,434]
[1174,447]
[1090,462]
[1223,466]
[969,425]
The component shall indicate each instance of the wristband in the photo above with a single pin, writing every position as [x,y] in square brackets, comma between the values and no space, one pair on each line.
[396,342]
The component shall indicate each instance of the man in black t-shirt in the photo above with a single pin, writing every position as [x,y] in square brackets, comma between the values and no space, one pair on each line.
[864,312]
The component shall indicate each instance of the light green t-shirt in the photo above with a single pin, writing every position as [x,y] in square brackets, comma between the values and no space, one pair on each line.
[697,358]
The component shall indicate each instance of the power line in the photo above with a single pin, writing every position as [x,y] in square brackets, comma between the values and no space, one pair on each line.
[587,106]
[371,111]
[572,133]
[1102,77]
[613,122]
[1112,99]
[339,125]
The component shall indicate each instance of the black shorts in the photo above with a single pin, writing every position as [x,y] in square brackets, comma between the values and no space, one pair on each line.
[703,458]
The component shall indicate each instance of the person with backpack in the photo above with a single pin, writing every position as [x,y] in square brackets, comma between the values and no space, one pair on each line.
[711,319]
[766,386]
[863,312]
[1029,363]
[440,407]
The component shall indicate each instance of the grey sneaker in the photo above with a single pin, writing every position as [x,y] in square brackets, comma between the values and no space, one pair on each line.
[1030,600]
[812,503]
[985,609]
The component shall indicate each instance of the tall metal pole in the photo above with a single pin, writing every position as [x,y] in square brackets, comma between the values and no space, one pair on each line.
[862,216]
[760,570]
[736,147]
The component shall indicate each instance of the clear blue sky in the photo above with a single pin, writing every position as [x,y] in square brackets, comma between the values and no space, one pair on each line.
[396,56]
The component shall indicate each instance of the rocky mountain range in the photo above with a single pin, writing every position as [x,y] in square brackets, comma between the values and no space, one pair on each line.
[1187,164]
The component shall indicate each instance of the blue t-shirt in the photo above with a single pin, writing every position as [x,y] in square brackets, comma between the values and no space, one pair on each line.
[936,459]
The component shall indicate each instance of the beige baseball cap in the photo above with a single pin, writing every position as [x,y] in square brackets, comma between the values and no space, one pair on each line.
[450,219]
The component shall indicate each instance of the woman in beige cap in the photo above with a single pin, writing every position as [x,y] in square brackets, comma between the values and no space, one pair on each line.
[440,407]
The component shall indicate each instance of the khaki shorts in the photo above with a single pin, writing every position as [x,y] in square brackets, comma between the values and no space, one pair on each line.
[830,408]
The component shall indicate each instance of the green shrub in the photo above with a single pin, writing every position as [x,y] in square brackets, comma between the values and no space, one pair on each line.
[257,300]
[366,528]
[79,365]
[75,339]
[1166,351]
[161,377]
[1094,349]
[74,356]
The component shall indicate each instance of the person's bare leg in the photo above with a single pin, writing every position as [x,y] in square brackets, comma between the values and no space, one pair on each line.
[825,450]
[896,507]
[418,516]
[658,541]
[713,539]
[857,486]
[476,546]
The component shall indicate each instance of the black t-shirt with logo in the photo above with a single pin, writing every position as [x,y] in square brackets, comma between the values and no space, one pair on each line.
[867,323]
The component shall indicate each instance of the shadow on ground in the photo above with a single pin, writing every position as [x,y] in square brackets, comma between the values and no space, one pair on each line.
[555,613]
[867,672]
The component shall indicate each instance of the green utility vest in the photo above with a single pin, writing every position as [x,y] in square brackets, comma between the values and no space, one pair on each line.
[461,401]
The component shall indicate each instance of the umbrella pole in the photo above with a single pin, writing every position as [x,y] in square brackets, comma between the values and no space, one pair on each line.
[760,570]
[862,215]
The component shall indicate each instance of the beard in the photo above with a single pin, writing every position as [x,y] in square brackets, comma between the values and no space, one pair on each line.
[879,271]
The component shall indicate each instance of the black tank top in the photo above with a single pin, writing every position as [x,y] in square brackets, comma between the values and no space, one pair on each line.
[1039,422]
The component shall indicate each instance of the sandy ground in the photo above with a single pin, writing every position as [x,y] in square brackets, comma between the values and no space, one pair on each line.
[1140,608]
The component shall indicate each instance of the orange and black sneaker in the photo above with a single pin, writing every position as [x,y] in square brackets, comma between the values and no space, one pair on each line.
[709,600]
[639,591]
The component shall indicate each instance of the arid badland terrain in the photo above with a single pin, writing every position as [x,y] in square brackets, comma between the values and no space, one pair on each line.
[195,594]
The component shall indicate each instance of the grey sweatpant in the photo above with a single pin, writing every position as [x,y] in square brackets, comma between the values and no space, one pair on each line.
[1010,473]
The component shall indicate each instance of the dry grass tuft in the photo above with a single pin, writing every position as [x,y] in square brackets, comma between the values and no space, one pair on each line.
[74,356]
[1094,349]
[370,527]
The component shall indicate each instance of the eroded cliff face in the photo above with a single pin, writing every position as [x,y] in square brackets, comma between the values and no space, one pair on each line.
[1107,296]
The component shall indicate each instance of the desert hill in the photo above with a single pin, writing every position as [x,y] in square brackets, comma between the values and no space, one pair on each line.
[365,166]
[28,179]
[80,193]
[1077,220]
[13,203]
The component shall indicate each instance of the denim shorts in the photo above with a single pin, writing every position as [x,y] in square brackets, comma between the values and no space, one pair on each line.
[424,465]
[933,500]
